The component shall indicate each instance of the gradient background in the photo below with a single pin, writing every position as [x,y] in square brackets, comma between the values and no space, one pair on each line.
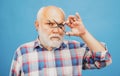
[101,18]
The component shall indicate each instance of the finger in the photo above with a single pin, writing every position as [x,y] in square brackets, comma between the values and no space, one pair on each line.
[71,17]
[75,23]
[71,21]
[69,33]
[67,22]
[77,15]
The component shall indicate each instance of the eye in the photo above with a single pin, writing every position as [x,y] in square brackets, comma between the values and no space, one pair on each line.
[61,25]
[50,24]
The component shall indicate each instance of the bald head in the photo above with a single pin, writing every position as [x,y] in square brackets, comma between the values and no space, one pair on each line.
[51,12]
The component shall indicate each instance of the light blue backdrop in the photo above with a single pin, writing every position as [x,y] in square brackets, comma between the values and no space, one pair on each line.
[101,18]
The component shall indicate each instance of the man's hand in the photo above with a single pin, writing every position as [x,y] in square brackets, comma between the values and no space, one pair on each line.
[76,25]
[78,29]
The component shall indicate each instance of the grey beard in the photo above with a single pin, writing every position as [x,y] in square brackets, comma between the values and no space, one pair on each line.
[45,39]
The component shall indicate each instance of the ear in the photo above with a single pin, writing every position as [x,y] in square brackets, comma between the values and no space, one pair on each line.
[36,25]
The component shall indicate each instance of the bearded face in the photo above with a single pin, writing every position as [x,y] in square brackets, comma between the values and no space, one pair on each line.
[48,18]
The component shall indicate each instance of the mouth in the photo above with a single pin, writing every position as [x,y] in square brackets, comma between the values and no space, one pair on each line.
[55,38]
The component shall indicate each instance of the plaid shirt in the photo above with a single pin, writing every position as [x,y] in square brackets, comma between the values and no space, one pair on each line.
[31,59]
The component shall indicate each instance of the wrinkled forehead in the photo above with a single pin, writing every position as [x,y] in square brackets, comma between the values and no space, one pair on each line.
[53,14]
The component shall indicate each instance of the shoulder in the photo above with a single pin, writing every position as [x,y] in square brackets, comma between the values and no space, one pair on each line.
[72,44]
[27,45]
[25,48]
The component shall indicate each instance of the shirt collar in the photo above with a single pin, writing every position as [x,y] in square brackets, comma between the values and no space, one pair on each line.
[37,44]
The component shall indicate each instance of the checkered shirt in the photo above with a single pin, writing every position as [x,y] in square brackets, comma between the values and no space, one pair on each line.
[31,59]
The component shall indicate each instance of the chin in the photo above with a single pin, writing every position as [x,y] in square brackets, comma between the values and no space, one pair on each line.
[55,43]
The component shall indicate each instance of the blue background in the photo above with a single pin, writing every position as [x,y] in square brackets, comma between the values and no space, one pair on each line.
[101,18]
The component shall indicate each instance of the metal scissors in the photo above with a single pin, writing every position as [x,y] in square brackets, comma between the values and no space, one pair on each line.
[60,26]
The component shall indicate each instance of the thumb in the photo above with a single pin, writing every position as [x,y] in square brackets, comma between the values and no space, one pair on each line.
[69,33]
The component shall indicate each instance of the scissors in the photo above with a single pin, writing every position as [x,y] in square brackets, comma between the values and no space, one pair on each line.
[60,26]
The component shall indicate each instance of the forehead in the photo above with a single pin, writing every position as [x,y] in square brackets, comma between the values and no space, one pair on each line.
[53,14]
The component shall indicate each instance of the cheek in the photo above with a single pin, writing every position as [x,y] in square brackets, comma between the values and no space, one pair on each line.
[45,29]
[42,31]
[61,33]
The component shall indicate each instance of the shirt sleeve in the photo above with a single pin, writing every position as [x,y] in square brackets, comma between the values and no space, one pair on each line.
[15,66]
[96,60]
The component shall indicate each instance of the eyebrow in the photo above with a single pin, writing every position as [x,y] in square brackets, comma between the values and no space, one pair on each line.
[62,23]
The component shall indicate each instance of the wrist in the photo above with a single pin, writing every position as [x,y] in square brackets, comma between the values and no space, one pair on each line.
[83,34]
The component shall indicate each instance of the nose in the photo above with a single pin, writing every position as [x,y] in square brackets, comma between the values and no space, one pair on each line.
[55,30]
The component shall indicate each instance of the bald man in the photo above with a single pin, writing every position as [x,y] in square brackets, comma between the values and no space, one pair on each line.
[51,55]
